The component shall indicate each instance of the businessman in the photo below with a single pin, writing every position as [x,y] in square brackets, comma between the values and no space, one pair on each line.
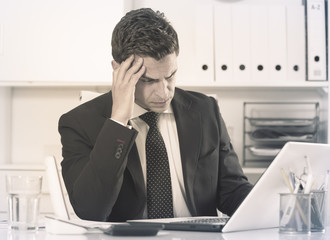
[147,149]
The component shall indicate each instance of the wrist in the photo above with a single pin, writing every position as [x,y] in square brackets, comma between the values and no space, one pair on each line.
[121,123]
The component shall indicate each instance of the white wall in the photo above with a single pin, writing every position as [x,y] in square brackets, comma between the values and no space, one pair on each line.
[5,124]
[35,115]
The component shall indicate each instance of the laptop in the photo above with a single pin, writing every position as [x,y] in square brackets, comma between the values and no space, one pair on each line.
[260,209]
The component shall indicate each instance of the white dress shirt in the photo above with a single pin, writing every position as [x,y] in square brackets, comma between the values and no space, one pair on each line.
[167,127]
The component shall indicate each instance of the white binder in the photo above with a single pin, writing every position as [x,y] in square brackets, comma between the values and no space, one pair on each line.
[223,43]
[277,44]
[241,44]
[296,54]
[259,43]
[316,40]
[204,29]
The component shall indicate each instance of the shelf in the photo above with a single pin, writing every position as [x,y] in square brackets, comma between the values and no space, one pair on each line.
[51,84]
[205,85]
[22,167]
[289,84]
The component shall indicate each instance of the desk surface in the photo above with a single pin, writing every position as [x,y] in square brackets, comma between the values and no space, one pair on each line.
[269,234]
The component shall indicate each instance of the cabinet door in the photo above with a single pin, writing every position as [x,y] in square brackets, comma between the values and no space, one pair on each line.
[60,40]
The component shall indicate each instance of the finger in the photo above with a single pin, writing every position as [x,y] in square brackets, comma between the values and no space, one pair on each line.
[114,76]
[124,66]
[136,67]
[135,78]
[119,70]
[115,67]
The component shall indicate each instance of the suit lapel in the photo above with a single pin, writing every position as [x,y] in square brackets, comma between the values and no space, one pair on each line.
[188,124]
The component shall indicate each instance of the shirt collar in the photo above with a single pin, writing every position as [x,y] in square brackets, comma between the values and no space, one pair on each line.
[138,111]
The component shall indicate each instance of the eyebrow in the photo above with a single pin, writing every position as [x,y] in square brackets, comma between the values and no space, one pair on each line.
[152,79]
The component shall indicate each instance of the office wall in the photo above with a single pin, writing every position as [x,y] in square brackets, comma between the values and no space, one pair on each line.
[5,124]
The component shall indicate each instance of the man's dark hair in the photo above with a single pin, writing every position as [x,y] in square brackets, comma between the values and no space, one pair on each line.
[145,33]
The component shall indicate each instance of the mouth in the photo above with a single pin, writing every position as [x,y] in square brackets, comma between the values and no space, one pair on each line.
[161,102]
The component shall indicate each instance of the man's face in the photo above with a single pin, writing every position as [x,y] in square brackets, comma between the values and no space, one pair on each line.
[155,89]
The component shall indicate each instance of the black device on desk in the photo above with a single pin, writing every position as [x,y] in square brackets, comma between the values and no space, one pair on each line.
[136,229]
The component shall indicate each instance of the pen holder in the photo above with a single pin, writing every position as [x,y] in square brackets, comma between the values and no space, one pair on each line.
[302,213]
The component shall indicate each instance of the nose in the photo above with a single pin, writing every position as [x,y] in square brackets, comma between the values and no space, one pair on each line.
[162,89]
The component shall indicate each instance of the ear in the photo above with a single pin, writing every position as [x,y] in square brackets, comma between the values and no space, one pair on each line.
[114,64]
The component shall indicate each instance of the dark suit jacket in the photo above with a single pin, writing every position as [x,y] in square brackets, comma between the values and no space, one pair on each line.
[102,170]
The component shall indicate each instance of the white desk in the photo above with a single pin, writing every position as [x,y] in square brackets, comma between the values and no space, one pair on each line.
[268,234]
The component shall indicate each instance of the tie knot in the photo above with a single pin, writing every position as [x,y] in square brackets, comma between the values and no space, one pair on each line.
[151,118]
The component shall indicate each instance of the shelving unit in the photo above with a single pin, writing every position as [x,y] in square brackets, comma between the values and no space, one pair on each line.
[269,125]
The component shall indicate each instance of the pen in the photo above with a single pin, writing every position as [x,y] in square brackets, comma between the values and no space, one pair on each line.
[292,178]
[326,180]
[324,188]
[309,180]
[286,179]
[291,203]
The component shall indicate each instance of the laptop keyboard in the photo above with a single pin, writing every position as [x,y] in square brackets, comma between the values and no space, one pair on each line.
[205,220]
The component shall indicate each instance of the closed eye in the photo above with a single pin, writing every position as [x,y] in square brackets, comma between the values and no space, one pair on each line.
[171,76]
[148,80]
[152,80]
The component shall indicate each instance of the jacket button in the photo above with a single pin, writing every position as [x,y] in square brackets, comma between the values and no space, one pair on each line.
[119,151]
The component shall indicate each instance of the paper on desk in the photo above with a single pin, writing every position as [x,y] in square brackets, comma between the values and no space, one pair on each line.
[270,152]
[76,226]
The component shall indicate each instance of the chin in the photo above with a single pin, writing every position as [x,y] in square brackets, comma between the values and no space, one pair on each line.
[159,109]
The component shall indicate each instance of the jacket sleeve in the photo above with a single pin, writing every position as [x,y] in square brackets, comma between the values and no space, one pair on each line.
[93,170]
[233,184]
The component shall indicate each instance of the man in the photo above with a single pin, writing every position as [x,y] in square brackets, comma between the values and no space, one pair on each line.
[106,143]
